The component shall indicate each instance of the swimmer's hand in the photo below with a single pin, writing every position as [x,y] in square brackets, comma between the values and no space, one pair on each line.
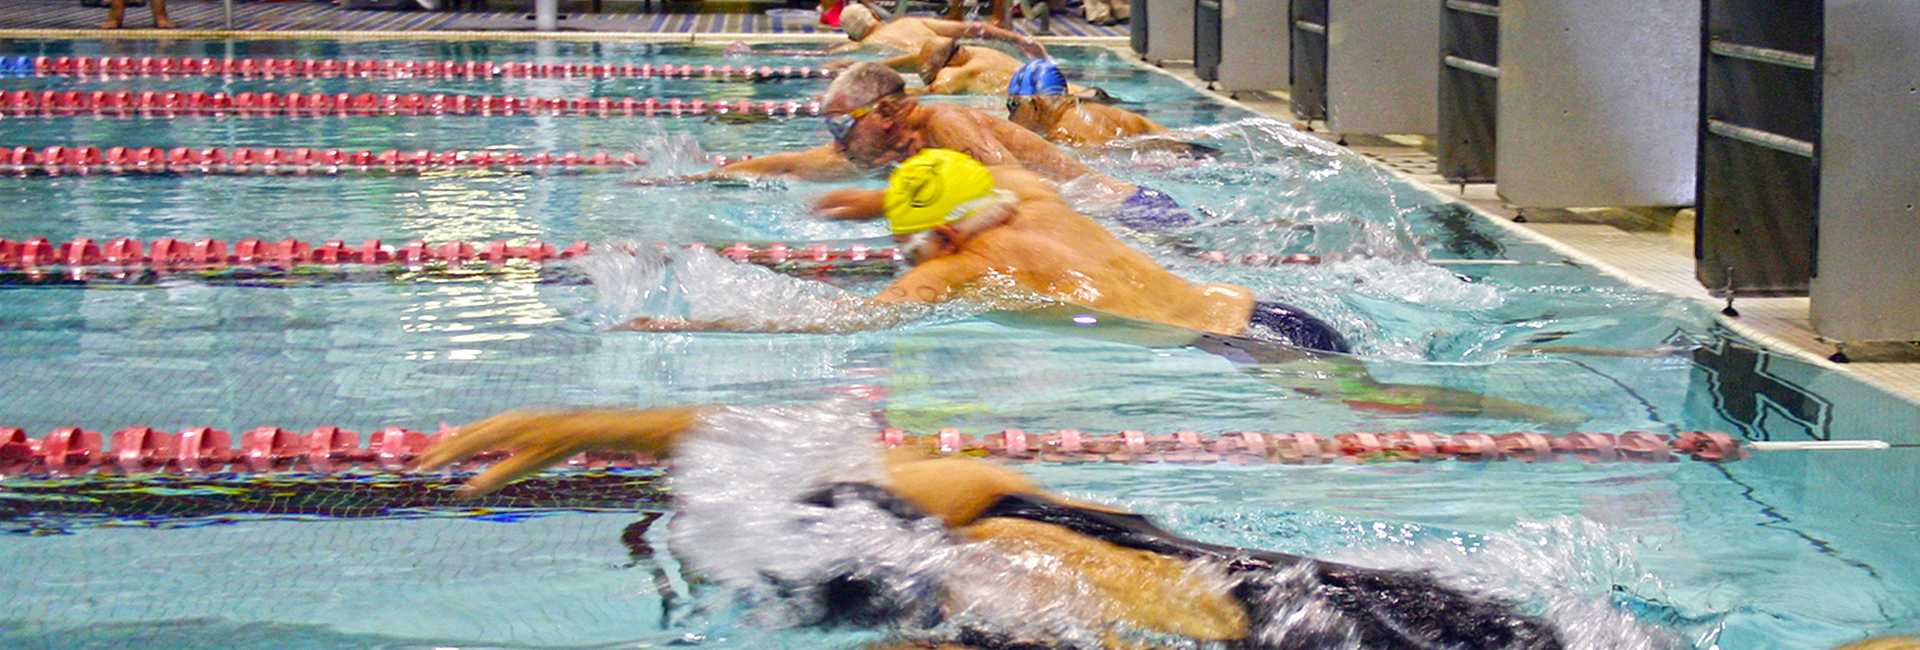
[539,439]
[851,204]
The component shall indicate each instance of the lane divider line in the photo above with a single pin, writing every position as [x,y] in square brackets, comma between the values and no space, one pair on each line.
[169,104]
[124,66]
[70,451]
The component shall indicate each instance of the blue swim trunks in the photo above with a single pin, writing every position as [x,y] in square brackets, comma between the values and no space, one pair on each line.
[1151,209]
[1279,322]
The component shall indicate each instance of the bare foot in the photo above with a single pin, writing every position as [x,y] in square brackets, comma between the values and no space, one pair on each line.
[111,24]
[164,24]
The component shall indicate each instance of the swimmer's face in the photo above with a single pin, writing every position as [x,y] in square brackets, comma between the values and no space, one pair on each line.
[1024,111]
[918,247]
[861,134]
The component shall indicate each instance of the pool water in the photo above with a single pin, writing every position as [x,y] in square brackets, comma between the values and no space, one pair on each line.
[1785,550]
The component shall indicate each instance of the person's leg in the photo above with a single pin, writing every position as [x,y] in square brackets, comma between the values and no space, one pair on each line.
[1122,10]
[160,18]
[116,11]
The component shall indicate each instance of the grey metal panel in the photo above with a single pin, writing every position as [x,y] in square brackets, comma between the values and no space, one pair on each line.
[1598,102]
[1170,30]
[1141,27]
[1254,38]
[1307,54]
[1206,39]
[1469,90]
[1382,75]
[1868,285]
[1759,133]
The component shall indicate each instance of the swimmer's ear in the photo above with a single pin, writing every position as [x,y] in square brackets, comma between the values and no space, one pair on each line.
[946,239]
[1051,103]
[890,105]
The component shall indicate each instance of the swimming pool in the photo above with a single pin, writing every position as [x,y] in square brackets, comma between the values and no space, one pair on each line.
[1784,550]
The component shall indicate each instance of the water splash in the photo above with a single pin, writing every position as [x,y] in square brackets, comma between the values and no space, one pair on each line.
[643,280]
[1569,569]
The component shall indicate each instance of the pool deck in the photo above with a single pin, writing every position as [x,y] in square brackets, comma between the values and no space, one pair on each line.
[1649,248]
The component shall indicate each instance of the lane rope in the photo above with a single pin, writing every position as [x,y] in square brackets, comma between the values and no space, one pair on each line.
[81,259]
[172,103]
[70,451]
[58,160]
[123,66]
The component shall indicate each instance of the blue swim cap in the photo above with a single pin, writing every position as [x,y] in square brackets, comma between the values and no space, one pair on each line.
[1047,79]
[1021,84]
[1037,77]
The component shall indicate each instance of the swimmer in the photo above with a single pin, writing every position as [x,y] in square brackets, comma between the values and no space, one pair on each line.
[948,68]
[963,225]
[938,550]
[874,123]
[905,35]
[966,227]
[1039,98]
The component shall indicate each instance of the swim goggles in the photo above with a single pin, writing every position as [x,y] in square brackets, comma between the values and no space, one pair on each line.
[839,125]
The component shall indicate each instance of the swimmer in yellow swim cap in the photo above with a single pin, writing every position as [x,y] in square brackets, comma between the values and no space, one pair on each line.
[967,226]
[933,188]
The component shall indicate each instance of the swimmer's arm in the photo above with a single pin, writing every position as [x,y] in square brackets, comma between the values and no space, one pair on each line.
[933,281]
[819,164]
[985,31]
[976,140]
[539,439]
[957,490]
[851,204]
[849,46]
[951,81]
[901,62]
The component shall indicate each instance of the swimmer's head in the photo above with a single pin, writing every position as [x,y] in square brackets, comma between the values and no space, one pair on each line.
[858,21]
[859,85]
[934,188]
[935,54]
[1038,77]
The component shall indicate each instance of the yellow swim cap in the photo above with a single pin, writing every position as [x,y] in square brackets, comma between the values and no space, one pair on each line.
[935,187]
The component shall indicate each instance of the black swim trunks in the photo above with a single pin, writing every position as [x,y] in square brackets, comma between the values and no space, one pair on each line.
[1279,322]
[1381,609]
[1151,209]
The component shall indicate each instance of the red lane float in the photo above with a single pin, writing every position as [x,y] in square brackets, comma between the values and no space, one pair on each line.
[142,450]
[123,66]
[81,258]
[156,104]
[57,159]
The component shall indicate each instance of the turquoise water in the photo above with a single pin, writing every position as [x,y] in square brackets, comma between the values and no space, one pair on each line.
[1781,551]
